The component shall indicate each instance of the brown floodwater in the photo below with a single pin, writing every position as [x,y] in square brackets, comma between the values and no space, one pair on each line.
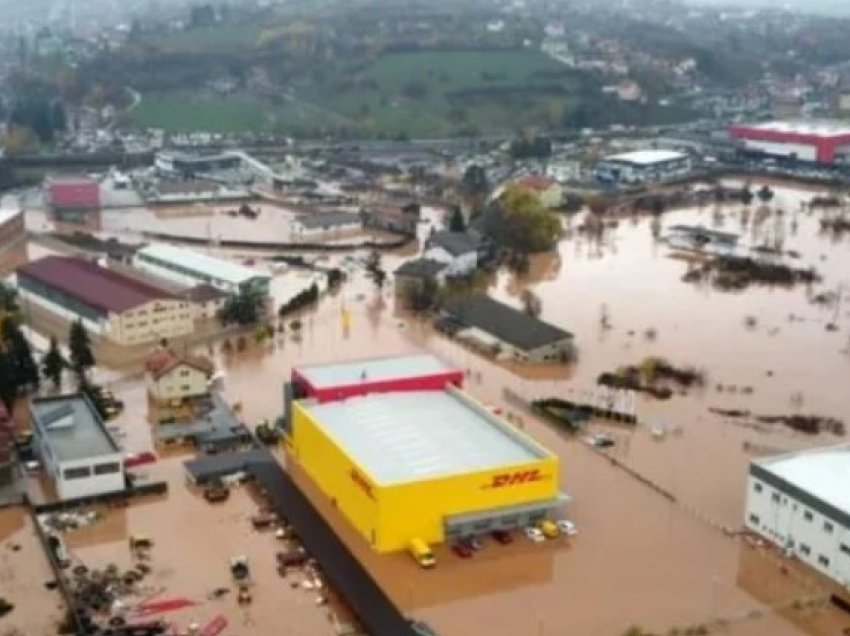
[639,559]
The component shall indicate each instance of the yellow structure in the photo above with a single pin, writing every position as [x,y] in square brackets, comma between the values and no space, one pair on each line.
[427,465]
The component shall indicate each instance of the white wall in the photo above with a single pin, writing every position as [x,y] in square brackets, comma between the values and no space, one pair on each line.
[790,524]
[95,327]
[805,152]
[93,484]
[180,382]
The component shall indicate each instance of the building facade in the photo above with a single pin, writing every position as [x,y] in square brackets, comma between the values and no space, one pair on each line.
[112,305]
[809,141]
[801,502]
[187,267]
[172,377]
[643,166]
[427,464]
[75,448]
[458,251]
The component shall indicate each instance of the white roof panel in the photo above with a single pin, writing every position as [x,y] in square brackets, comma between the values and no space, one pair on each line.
[6,215]
[647,157]
[217,268]
[822,472]
[373,370]
[402,437]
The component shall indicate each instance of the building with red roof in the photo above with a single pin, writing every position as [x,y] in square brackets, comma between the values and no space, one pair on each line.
[113,305]
[172,376]
[70,199]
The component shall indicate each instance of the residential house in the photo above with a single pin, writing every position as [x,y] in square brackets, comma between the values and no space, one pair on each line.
[393,218]
[206,299]
[170,376]
[459,251]
[417,271]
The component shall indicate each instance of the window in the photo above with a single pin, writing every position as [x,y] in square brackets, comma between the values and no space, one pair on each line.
[808,516]
[757,487]
[845,548]
[185,387]
[775,497]
[184,373]
[754,519]
[77,473]
[827,527]
[824,561]
[804,549]
[107,469]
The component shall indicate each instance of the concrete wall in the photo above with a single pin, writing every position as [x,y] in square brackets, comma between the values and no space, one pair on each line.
[70,487]
[152,321]
[791,524]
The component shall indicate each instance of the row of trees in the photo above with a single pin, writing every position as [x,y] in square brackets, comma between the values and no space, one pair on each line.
[19,372]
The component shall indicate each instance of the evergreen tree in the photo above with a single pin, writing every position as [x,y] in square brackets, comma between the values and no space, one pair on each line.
[79,344]
[17,348]
[456,221]
[53,363]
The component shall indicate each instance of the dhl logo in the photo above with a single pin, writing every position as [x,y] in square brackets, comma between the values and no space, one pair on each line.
[513,479]
[361,482]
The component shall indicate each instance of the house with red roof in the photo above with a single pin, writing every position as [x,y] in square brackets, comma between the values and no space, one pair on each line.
[112,305]
[171,376]
[548,191]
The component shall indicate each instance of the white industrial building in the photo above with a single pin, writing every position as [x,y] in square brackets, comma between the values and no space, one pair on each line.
[190,268]
[75,448]
[820,141]
[643,166]
[801,502]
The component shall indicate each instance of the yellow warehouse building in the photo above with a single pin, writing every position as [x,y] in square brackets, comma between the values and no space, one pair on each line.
[431,465]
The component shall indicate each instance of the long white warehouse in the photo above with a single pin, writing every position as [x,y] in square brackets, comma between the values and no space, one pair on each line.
[801,502]
[191,268]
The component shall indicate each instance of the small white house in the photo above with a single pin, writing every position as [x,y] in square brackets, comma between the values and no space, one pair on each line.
[75,448]
[801,502]
[170,376]
[457,250]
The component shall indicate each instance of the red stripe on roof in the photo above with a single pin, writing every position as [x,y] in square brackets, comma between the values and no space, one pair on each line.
[92,285]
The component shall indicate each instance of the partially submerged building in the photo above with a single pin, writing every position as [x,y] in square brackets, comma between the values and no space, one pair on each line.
[643,166]
[190,268]
[171,376]
[505,331]
[459,251]
[110,304]
[405,455]
[701,239]
[72,199]
[75,448]
[800,501]
[401,219]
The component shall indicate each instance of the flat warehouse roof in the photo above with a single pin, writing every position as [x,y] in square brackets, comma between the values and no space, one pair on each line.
[373,370]
[71,427]
[7,215]
[647,157]
[217,268]
[822,472]
[402,437]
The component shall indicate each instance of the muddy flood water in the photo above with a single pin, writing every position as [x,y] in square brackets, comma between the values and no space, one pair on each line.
[639,558]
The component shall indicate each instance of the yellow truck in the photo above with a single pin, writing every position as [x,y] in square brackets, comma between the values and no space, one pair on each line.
[420,551]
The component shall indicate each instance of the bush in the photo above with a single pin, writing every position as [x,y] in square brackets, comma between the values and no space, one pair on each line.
[302,299]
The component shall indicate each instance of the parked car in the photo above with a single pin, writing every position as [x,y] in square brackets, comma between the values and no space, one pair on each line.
[602,440]
[549,529]
[534,534]
[502,536]
[567,527]
[462,550]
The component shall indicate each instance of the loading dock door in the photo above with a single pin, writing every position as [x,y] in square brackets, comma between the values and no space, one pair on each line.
[507,518]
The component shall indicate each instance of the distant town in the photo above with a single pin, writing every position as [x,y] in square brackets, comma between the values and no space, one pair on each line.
[415,318]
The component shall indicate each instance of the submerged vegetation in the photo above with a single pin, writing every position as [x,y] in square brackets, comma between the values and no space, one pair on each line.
[733,273]
[655,376]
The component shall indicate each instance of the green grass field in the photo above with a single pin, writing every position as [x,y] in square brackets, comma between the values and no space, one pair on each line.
[424,94]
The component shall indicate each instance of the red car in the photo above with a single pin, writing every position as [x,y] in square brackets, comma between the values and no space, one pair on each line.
[503,536]
[462,550]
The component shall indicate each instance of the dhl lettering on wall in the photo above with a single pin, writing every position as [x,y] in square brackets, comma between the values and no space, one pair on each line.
[362,483]
[515,478]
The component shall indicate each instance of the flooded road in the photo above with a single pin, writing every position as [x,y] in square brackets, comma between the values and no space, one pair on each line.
[639,558]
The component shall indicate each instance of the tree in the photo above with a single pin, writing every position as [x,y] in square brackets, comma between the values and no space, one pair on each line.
[244,308]
[79,346]
[531,303]
[53,363]
[421,296]
[530,147]
[475,180]
[765,194]
[526,225]
[58,117]
[17,348]
[456,221]
[374,271]
[747,195]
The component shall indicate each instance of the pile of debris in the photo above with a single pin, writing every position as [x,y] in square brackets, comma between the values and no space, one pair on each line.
[808,424]
[653,376]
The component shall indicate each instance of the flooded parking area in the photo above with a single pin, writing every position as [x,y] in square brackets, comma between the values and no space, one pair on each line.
[640,558]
